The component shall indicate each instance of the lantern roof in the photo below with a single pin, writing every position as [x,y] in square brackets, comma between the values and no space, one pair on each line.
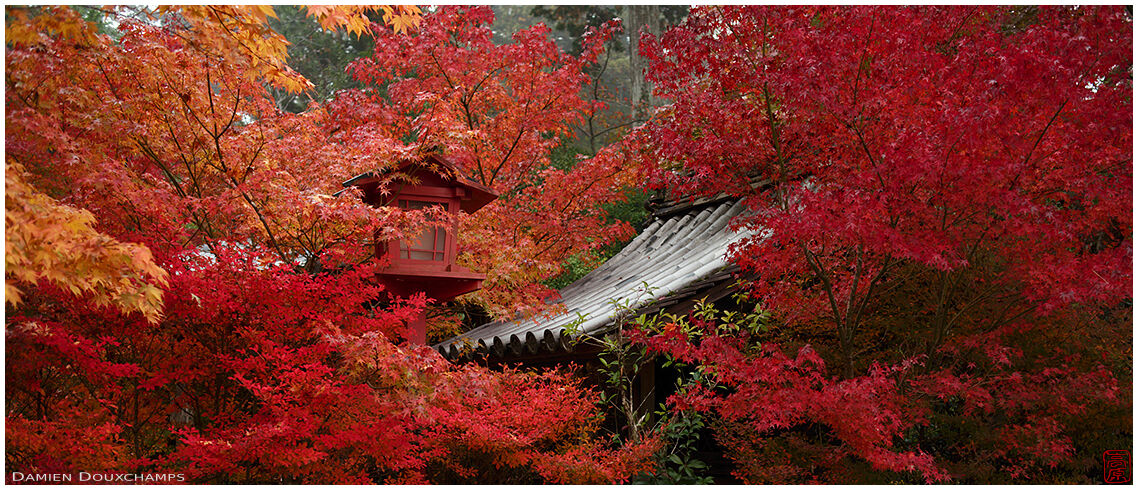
[433,168]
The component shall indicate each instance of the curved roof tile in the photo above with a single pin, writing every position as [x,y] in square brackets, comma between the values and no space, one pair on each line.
[671,254]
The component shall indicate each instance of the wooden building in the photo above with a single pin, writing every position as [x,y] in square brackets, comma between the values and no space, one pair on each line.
[678,260]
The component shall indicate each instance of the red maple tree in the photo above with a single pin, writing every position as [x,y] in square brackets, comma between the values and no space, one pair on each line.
[945,189]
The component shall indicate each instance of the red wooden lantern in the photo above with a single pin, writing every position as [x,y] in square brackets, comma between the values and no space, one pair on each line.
[425,263]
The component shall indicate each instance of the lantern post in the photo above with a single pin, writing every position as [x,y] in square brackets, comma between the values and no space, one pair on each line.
[425,263]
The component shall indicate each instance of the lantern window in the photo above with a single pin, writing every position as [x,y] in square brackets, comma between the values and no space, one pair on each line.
[428,245]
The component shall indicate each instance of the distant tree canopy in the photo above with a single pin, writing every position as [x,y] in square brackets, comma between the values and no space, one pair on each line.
[321,55]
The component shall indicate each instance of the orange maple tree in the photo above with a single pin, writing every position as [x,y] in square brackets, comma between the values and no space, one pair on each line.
[157,162]
[498,111]
[47,240]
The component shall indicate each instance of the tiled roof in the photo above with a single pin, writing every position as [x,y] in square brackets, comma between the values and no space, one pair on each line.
[676,256]
[477,195]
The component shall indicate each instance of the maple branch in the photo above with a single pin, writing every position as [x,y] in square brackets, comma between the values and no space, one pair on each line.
[233,35]
[442,71]
[111,86]
[201,223]
[1027,158]
[466,109]
[856,318]
[976,245]
[483,80]
[940,175]
[182,156]
[856,279]
[24,97]
[618,126]
[146,150]
[973,302]
[521,132]
[236,185]
[216,135]
[233,113]
[776,141]
[939,317]
[862,62]
[1004,319]
[772,121]
[596,97]
[868,154]
[256,154]
[264,224]
[187,110]
[844,335]
[505,159]
[212,111]
[960,25]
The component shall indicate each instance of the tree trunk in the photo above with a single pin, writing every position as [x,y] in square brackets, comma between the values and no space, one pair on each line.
[640,18]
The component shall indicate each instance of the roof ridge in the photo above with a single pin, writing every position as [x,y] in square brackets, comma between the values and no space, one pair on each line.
[662,207]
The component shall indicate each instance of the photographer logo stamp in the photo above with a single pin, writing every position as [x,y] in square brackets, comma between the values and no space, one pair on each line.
[1116,466]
